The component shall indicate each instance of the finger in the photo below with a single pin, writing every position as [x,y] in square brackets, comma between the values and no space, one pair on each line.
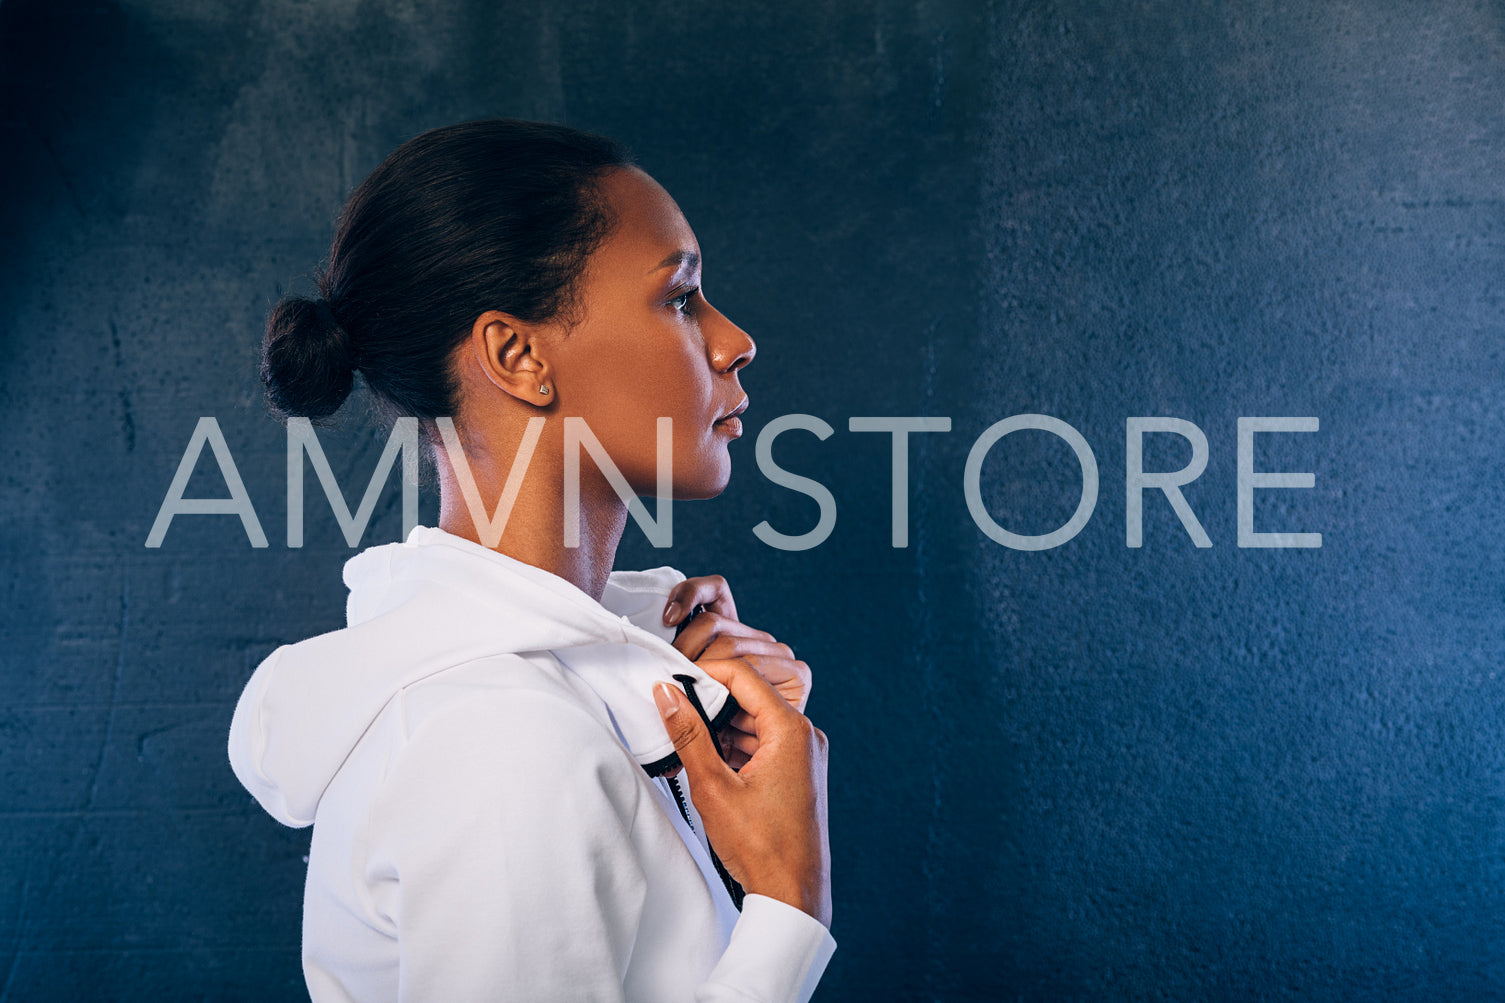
[697,751]
[740,741]
[796,684]
[754,694]
[760,652]
[739,646]
[710,591]
[790,676]
[705,627]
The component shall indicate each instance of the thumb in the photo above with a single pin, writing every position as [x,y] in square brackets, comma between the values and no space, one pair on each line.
[688,733]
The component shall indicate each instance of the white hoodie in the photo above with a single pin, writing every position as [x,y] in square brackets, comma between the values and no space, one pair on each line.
[469,750]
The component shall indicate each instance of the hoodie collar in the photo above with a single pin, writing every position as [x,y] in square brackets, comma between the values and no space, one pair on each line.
[619,647]
[435,601]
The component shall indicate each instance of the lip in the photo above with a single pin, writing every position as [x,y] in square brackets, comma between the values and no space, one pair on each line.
[734,412]
[732,420]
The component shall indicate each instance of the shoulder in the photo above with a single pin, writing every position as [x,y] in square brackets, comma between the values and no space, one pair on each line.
[498,798]
[506,701]
[510,728]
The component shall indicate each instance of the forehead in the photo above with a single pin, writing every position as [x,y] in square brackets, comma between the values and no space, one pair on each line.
[649,225]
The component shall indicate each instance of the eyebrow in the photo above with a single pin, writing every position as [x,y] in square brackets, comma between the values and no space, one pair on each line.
[680,257]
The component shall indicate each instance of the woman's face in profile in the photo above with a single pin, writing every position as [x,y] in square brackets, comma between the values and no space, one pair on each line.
[647,345]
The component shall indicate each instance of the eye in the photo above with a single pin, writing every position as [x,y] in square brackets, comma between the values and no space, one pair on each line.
[681,303]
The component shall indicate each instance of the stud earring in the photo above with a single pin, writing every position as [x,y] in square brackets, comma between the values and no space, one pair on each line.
[544,390]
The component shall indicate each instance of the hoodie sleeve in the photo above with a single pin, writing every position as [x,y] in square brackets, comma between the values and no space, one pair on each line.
[777,952]
[501,850]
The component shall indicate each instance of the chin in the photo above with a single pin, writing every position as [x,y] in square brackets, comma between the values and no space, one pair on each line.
[700,490]
[708,482]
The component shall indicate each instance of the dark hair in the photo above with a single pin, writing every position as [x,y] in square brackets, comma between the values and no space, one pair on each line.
[490,215]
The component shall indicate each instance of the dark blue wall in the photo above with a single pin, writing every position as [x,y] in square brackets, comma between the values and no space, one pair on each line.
[1091,772]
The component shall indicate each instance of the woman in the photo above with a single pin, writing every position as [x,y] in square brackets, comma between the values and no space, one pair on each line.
[490,752]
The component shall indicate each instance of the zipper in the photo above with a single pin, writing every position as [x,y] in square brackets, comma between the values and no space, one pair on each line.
[679,799]
[688,682]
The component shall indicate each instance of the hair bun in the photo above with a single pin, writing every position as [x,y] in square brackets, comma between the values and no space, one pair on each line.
[307,360]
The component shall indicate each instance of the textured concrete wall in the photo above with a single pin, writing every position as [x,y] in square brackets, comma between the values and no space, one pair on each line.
[1091,772]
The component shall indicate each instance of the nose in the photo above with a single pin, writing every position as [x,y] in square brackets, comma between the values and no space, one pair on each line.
[729,347]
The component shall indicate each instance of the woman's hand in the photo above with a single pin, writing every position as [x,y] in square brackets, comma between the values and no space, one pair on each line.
[768,821]
[708,591]
[716,633]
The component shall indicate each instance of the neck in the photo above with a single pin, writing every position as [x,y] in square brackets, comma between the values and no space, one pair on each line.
[534,529]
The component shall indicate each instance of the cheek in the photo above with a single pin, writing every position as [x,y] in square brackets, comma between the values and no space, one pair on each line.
[657,395]
[681,388]
[639,376]
[691,402]
[628,386]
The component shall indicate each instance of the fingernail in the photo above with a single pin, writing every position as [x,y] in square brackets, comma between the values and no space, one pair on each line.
[667,705]
[671,612]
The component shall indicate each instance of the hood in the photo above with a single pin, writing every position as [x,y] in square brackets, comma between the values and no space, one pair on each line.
[431,603]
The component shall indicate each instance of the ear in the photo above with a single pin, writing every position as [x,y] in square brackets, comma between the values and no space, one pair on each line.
[513,357]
